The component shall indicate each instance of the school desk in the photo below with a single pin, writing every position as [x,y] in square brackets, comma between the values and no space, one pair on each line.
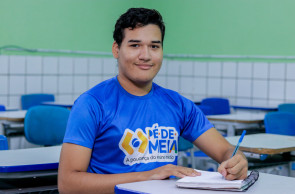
[65,104]
[12,122]
[237,121]
[272,150]
[29,170]
[265,143]
[265,108]
[14,116]
[266,184]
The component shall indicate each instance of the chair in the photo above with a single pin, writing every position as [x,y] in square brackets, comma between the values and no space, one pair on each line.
[280,123]
[29,100]
[218,105]
[46,125]
[2,107]
[3,143]
[287,107]
[207,110]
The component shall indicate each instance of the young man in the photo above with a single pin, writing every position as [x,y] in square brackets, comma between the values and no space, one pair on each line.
[126,128]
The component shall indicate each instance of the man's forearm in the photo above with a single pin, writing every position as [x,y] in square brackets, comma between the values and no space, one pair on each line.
[84,182]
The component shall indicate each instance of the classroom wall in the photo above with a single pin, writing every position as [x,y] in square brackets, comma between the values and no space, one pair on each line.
[243,83]
[198,27]
[226,27]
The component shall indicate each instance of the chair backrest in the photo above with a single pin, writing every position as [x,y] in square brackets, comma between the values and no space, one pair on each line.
[287,107]
[2,107]
[30,100]
[282,123]
[218,105]
[46,125]
[3,143]
[207,110]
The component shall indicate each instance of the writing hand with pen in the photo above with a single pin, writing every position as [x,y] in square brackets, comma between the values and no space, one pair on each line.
[236,167]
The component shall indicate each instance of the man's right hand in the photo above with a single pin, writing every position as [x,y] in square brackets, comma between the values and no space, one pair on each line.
[170,170]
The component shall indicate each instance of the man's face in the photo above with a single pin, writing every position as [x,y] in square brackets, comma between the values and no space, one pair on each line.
[140,54]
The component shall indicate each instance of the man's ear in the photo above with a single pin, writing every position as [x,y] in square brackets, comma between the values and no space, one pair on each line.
[115,50]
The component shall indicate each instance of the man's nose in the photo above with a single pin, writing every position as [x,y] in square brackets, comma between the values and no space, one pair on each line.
[145,53]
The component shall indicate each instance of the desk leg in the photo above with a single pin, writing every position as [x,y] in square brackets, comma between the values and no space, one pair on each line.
[230,130]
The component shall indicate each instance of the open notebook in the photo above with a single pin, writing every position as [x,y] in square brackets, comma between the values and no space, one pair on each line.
[215,181]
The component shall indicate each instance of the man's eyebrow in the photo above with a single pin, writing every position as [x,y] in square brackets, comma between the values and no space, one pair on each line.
[157,41]
[134,40]
[154,41]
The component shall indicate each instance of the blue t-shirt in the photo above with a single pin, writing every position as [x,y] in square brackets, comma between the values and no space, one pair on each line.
[130,133]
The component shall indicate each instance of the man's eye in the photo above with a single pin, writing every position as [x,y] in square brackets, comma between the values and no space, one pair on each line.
[155,46]
[134,45]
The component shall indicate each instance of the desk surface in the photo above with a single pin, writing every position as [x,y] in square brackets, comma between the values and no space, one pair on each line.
[238,117]
[30,159]
[266,184]
[263,143]
[66,104]
[256,107]
[16,116]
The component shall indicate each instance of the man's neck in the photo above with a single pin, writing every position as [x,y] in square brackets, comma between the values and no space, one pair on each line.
[136,89]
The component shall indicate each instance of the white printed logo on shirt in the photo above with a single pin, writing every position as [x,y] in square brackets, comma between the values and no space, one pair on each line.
[154,144]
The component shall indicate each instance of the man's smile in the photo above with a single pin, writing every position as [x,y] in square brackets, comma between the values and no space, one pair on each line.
[144,66]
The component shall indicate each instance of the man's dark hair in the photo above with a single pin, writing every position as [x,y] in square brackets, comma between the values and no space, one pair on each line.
[137,17]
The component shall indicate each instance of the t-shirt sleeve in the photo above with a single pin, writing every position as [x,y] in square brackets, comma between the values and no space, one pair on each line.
[84,121]
[195,122]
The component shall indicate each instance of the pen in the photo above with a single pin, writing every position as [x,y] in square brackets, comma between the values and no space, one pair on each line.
[240,141]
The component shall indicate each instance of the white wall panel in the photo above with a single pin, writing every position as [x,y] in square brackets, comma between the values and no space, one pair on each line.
[277,71]
[33,84]
[3,85]
[245,70]
[80,65]
[244,83]
[4,61]
[229,69]
[49,83]
[95,66]
[17,84]
[260,70]
[17,65]
[34,65]
[200,69]
[50,65]
[214,69]
[65,65]
[173,68]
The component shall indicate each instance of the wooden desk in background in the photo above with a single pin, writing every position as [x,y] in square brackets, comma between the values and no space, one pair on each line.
[14,116]
[29,170]
[65,104]
[264,143]
[268,152]
[12,122]
[255,108]
[237,121]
